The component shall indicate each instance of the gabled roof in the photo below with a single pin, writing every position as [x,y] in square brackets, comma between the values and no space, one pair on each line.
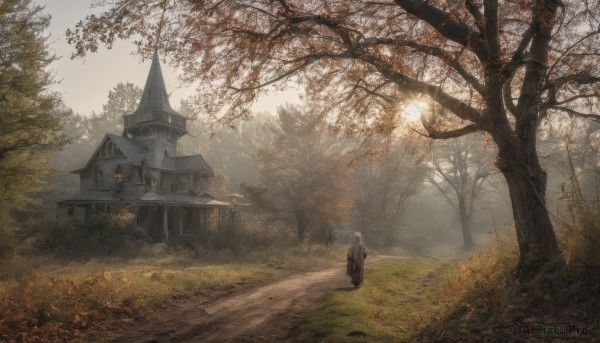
[136,152]
[191,162]
[155,97]
[133,150]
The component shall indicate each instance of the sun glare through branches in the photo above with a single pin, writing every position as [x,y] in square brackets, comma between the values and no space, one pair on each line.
[413,111]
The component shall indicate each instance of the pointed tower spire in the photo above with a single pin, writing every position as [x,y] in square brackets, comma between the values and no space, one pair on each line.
[154,119]
[155,97]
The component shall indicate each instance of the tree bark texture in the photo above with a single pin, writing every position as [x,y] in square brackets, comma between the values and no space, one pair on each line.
[538,248]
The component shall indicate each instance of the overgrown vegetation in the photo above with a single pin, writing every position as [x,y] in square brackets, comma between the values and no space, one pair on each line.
[44,299]
[478,298]
[62,236]
[485,301]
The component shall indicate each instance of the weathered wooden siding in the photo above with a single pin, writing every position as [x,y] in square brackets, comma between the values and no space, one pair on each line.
[182,221]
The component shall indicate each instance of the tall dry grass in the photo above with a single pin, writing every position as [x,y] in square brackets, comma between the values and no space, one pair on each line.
[580,234]
[483,297]
[43,298]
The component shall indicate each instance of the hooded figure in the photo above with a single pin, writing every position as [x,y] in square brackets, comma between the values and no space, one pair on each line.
[357,253]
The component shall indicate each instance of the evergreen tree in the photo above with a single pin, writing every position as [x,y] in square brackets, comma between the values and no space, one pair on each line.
[29,131]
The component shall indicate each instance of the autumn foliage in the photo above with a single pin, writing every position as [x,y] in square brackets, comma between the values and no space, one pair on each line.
[496,66]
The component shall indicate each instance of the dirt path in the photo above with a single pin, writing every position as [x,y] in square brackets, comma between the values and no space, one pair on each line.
[264,313]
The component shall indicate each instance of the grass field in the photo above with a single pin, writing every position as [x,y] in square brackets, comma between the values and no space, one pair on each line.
[45,300]
[395,300]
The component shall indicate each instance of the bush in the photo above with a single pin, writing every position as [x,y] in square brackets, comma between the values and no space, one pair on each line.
[62,236]
[47,235]
[253,231]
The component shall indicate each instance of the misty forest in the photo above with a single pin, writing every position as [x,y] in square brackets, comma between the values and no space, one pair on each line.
[437,178]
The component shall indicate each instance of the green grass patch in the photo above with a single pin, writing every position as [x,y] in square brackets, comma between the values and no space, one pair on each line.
[395,300]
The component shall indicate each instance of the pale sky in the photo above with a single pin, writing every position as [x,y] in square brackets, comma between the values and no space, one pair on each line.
[84,84]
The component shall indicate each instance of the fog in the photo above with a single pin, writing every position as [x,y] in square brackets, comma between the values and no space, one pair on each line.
[297,179]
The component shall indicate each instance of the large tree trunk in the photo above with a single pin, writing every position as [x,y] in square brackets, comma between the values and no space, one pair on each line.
[538,248]
[517,157]
[465,223]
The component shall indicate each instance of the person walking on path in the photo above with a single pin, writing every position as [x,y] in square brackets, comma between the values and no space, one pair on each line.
[357,253]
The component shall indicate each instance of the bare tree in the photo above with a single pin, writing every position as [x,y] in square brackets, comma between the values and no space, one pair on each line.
[384,189]
[464,166]
[497,66]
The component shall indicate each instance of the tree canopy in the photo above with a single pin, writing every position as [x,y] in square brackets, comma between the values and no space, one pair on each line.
[484,65]
[122,99]
[28,128]
[303,172]
[365,53]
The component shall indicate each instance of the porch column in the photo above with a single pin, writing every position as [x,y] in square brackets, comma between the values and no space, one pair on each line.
[181,221]
[165,225]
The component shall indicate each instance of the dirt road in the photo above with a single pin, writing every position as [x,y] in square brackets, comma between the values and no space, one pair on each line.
[263,313]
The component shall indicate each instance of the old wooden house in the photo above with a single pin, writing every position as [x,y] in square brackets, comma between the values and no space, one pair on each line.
[140,176]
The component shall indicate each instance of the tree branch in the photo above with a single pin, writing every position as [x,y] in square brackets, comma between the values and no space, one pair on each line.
[474,10]
[441,190]
[446,26]
[507,96]
[591,34]
[582,79]
[434,134]
[429,50]
[492,36]
[571,112]
[517,58]
[453,63]
[280,77]
[456,106]
[437,167]
[580,96]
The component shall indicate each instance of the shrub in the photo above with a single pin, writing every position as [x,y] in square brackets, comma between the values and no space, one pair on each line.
[62,236]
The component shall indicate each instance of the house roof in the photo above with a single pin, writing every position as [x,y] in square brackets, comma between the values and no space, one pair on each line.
[145,198]
[155,96]
[191,162]
[172,198]
[133,150]
[96,196]
[136,153]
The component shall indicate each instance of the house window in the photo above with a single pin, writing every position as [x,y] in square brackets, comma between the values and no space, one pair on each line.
[109,147]
[199,182]
[97,178]
[181,182]
[147,180]
[118,174]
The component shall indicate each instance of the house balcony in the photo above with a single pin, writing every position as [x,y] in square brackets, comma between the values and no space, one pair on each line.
[136,120]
